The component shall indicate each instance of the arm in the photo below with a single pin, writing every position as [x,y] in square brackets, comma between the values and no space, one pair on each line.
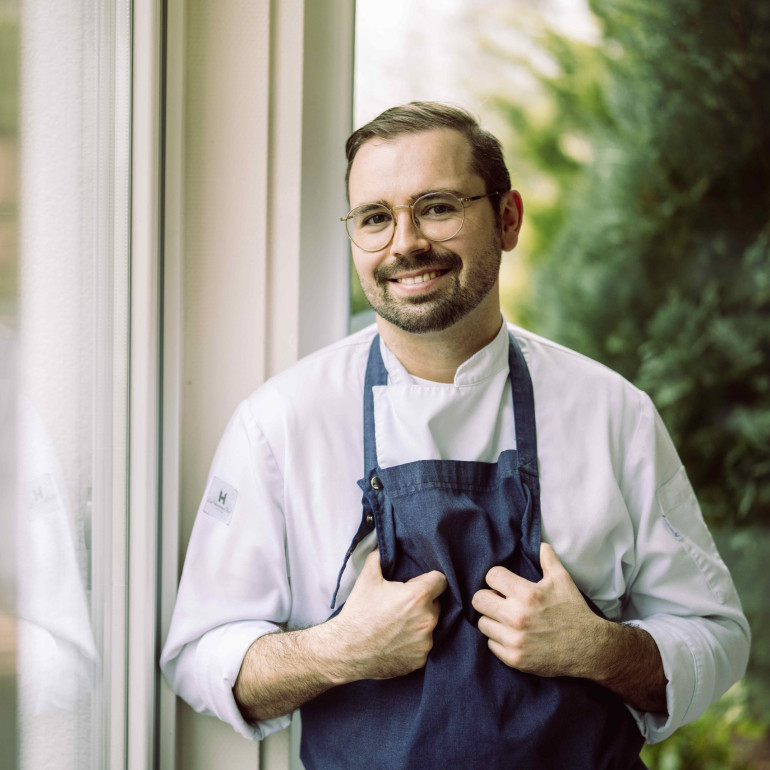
[385,629]
[546,628]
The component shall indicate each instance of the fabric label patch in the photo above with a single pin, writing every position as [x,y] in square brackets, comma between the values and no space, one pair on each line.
[220,500]
[42,497]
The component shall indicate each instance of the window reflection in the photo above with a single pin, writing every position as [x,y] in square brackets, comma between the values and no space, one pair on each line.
[63,288]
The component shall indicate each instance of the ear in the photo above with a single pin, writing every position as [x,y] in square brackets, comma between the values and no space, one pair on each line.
[511,216]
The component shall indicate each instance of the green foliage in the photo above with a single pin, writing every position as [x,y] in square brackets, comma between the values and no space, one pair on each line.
[656,258]
[9,70]
[724,738]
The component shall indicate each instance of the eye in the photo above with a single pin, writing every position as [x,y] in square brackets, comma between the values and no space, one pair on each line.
[371,217]
[438,207]
[376,219]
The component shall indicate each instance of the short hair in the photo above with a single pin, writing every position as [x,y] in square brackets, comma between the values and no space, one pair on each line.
[486,151]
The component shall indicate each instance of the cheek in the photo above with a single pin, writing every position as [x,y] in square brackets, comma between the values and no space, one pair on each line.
[365,271]
[365,265]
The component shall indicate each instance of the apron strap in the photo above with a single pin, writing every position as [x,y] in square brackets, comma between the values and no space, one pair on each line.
[376,374]
[523,409]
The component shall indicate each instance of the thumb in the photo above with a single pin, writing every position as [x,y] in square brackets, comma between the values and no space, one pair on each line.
[372,568]
[549,561]
[435,582]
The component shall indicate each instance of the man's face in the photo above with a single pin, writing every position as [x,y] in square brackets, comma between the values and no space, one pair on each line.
[415,284]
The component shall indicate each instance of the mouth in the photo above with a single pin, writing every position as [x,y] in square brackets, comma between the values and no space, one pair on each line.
[418,277]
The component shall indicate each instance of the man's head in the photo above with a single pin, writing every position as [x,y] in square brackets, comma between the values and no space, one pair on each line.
[417,280]
[487,159]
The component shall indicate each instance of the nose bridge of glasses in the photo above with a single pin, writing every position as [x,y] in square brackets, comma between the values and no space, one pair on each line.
[412,217]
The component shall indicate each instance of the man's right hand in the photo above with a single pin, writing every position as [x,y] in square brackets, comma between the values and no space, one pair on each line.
[386,628]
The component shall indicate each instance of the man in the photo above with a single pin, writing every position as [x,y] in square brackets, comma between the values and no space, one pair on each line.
[527,580]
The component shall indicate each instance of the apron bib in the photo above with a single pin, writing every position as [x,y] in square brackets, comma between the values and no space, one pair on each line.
[465,709]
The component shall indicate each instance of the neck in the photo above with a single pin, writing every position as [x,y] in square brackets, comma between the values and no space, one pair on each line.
[435,356]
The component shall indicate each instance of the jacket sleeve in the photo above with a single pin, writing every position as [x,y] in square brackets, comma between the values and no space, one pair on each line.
[234,586]
[679,590]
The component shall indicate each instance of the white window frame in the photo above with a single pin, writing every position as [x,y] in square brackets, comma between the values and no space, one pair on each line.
[144,389]
[264,184]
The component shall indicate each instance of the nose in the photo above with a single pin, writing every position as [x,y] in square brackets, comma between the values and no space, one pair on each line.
[407,239]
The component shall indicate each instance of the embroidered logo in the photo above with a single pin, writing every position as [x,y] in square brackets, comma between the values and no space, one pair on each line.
[42,497]
[220,500]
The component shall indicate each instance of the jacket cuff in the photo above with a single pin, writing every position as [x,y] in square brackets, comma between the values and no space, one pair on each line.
[218,660]
[680,657]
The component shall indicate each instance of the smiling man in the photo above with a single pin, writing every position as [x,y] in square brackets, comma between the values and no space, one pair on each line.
[527,580]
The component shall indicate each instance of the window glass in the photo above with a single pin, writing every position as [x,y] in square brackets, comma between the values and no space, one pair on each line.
[63,291]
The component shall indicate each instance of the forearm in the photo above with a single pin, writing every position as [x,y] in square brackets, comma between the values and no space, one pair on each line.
[282,671]
[385,629]
[627,661]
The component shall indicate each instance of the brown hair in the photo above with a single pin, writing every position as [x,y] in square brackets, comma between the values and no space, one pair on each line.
[486,152]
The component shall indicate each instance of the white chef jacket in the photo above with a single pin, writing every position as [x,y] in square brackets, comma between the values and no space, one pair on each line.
[282,506]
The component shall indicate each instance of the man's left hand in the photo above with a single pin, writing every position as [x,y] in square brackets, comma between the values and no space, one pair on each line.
[543,628]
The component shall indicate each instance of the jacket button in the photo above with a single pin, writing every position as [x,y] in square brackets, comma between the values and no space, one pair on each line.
[376,483]
[369,519]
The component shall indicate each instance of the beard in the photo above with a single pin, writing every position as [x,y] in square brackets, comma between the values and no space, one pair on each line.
[460,292]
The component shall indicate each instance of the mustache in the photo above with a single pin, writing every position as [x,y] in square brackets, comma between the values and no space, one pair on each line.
[437,259]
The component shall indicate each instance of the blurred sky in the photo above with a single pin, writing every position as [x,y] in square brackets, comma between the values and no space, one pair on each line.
[443,50]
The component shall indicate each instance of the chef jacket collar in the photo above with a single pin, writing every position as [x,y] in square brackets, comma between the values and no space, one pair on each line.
[481,366]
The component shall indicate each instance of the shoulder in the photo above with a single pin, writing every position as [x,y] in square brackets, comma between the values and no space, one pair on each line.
[322,381]
[555,360]
[340,364]
[566,379]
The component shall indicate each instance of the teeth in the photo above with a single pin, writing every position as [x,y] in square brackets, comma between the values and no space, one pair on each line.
[418,278]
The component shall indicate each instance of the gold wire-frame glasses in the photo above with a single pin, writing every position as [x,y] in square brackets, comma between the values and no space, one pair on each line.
[438,216]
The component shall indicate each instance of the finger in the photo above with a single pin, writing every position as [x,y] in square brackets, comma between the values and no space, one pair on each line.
[549,561]
[434,582]
[372,567]
[505,582]
[493,630]
[488,603]
[505,655]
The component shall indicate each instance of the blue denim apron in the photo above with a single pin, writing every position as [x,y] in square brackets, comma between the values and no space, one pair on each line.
[465,709]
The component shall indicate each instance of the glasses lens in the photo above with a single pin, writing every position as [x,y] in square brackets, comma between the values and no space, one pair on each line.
[370,226]
[439,215]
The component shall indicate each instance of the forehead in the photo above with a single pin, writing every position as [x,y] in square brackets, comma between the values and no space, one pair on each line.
[396,170]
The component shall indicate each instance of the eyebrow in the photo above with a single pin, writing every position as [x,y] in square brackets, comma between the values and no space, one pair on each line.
[413,198]
[364,207]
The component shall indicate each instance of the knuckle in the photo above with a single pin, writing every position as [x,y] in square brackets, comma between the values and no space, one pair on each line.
[511,656]
[524,622]
[426,625]
[532,599]
[517,619]
[421,593]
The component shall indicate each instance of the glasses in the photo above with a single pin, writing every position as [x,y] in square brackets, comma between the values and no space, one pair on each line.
[438,216]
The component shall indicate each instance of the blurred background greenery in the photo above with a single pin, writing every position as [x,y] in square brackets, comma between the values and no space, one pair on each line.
[642,151]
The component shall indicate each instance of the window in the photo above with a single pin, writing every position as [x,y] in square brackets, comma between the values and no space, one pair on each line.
[64,293]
